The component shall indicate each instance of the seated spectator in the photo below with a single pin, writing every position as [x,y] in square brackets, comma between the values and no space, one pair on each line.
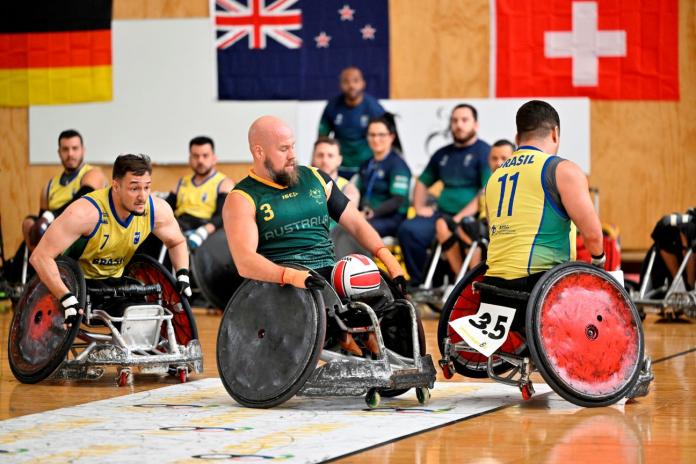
[384,180]
[463,169]
[454,246]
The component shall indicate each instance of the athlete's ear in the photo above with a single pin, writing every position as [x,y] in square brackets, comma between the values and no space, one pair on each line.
[517,140]
[555,135]
[257,152]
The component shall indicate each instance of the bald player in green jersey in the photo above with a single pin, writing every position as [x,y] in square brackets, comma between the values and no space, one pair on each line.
[279,215]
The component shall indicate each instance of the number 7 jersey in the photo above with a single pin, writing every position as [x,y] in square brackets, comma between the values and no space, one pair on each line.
[529,228]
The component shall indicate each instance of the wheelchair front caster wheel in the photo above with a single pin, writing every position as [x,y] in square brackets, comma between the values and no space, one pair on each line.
[527,391]
[423,395]
[182,374]
[447,368]
[373,398]
[125,377]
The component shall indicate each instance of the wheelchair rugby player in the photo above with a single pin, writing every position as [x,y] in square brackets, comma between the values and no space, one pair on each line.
[286,316]
[528,307]
[99,282]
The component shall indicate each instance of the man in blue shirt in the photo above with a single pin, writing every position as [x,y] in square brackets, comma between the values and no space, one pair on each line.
[463,169]
[347,116]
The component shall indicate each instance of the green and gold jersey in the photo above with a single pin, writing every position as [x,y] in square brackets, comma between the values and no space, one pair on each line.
[198,200]
[529,228]
[61,188]
[110,246]
[293,222]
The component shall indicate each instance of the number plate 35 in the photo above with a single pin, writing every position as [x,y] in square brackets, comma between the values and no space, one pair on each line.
[487,330]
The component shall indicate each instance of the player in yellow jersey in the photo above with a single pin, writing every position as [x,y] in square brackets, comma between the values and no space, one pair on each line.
[531,200]
[76,180]
[197,200]
[104,229]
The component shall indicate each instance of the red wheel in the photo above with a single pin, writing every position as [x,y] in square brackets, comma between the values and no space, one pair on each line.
[464,302]
[183,375]
[37,343]
[585,335]
[149,271]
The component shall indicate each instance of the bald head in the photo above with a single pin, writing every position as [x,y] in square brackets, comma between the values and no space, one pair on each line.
[265,130]
[272,146]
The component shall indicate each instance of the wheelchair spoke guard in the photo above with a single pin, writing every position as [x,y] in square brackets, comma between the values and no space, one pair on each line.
[214,271]
[269,342]
[149,271]
[584,335]
[37,342]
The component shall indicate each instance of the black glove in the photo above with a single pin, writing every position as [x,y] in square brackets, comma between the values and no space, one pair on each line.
[599,261]
[314,281]
[400,282]
[71,309]
[183,285]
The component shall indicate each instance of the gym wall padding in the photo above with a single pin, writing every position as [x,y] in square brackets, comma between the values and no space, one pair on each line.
[642,152]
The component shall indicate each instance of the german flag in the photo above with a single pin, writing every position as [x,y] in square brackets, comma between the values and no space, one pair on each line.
[55,52]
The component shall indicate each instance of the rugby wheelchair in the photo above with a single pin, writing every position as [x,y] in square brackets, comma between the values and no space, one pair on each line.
[272,337]
[658,291]
[141,323]
[581,332]
[436,287]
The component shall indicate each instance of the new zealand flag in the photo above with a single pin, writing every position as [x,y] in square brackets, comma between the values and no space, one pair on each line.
[296,49]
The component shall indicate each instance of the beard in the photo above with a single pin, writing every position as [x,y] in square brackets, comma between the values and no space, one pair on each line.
[464,140]
[136,213]
[202,171]
[70,170]
[282,177]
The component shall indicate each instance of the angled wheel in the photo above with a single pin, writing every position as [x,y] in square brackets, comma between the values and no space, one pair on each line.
[464,302]
[37,342]
[214,270]
[584,335]
[269,342]
[149,271]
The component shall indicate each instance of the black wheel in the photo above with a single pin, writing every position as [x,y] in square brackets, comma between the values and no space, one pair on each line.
[269,342]
[214,271]
[584,335]
[464,302]
[37,342]
[148,271]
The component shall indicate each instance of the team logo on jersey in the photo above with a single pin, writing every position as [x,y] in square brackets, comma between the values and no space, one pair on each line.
[339,119]
[204,197]
[364,119]
[315,193]
[443,162]
[467,159]
[136,238]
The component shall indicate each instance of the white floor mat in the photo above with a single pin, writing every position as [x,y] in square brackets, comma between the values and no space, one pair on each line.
[200,421]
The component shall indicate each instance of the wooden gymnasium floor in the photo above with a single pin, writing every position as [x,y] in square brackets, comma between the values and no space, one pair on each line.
[659,428]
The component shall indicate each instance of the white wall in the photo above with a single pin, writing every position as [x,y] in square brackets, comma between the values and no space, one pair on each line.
[165,90]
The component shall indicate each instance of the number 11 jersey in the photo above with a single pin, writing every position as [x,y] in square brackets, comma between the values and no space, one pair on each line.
[529,228]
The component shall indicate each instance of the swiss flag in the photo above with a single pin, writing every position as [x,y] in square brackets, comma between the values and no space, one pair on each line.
[607,49]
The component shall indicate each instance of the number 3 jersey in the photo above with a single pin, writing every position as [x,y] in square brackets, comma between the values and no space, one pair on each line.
[293,222]
[529,228]
[113,242]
